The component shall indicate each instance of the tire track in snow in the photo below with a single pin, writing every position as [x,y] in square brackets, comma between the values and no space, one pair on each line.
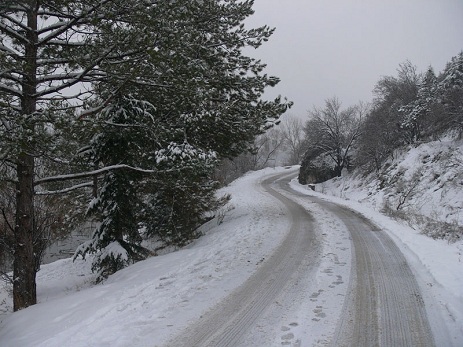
[383,306]
[227,322]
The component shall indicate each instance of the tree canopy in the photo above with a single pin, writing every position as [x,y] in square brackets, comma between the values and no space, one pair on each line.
[126,106]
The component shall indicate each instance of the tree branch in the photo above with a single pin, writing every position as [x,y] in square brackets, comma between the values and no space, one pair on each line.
[6,220]
[12,20]
[66,190]
[9,51]
[71,23]
[11,33]
[9,90]
[79,78]
[91,173]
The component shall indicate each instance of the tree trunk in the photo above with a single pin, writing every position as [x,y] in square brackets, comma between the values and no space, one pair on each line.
[24,264]
[25,259]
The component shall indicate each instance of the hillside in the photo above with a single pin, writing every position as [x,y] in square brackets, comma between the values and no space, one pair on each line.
[422,185]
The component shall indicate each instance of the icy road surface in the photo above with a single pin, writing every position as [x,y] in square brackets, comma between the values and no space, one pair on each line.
[381,301]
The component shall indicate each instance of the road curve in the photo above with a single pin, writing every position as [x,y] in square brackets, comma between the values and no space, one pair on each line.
[382,306]
[227,322]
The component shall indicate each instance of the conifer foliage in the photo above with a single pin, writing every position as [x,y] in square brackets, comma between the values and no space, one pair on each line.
[130,104]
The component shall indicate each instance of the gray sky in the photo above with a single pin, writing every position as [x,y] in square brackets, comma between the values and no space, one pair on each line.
[325,48]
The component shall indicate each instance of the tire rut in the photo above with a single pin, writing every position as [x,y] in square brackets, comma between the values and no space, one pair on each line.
[228,321]
[383,306]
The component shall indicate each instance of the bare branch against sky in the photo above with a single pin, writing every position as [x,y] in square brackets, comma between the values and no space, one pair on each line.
[342,47]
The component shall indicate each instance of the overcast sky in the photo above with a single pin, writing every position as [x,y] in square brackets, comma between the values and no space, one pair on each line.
[325,48]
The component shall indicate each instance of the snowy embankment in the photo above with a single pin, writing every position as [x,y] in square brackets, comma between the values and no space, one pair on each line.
[145,304]
[422,184]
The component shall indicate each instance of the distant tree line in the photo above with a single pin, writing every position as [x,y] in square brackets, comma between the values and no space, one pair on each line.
[280,145]
[408,108]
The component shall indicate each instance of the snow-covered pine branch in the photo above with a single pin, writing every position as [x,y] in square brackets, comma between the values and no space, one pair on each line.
[65,190]
[80,175]
[80,77]
[13,34]
[10,90]
[74,21]
[9,51]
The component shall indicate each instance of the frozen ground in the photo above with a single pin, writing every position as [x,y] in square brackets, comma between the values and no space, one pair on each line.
[423,183]
[151,301]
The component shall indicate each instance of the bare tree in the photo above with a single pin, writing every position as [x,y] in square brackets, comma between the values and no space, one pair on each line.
[265,151]
[334,131]
[292,130]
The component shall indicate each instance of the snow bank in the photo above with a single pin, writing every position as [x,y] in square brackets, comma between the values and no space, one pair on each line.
[424,184]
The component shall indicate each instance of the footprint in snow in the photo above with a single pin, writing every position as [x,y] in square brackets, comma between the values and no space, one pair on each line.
[288,339]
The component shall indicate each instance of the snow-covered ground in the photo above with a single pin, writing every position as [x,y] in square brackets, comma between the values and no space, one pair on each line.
[149,302]
[423,183]
[437,264]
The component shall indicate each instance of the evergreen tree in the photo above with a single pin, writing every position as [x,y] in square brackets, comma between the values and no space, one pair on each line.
[206,106]
[450,93]
[386,128]
[416,113]
[117,241]
[66,65]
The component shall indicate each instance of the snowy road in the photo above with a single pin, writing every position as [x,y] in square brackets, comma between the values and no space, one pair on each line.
[227,323]
[382,303]
[267,273]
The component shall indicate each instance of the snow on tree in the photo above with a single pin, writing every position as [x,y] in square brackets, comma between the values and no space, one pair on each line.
[46,47]
[64,64]
[450,92]
[437,106]
[414,114]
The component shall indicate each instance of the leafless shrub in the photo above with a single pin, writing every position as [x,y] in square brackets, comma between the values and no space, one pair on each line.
[451,232]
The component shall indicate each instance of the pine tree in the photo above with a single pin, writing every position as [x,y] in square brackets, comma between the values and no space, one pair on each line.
[116,242]
[206,106]
[450,92]
[414,115]
[64,64]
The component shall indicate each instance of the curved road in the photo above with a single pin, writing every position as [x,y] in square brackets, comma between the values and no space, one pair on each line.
[382,306]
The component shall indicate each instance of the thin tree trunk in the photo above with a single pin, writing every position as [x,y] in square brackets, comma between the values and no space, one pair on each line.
[25,262]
